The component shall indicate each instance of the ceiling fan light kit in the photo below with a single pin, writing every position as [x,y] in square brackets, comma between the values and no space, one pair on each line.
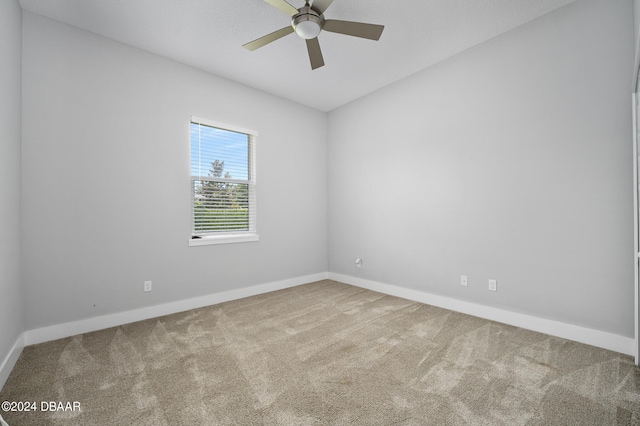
[308,21]
[307,24]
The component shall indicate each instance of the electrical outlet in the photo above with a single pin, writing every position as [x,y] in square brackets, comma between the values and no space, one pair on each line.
[493,285]
[358,263]
[148,286]
[463,280]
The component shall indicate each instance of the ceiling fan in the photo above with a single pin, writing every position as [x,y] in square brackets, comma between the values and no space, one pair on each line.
[308,21]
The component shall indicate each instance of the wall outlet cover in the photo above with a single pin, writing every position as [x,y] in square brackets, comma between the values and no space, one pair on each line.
[493,285]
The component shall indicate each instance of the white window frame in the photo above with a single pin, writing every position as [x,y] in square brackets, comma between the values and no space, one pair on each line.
[227,237]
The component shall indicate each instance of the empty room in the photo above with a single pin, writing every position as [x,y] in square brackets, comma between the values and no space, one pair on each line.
[339,212]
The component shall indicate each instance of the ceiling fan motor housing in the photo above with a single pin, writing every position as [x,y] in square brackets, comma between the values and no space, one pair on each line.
[307,23]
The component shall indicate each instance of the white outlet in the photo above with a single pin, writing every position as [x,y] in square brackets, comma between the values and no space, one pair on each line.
[463,280]
[358,263]
[493,285]
[148,286]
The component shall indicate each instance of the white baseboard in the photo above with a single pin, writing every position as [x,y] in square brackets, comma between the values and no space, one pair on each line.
[60,331]
[11,359]
[576,333]
[614,342]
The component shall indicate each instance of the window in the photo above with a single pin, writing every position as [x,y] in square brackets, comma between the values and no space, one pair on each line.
[223,184]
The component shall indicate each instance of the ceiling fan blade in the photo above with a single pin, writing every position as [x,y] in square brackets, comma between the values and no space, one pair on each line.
[356,29]
[321,5]
[315,54]
[283,6]
[262,41]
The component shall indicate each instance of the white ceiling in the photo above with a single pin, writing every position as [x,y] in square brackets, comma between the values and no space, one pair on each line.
[209,34]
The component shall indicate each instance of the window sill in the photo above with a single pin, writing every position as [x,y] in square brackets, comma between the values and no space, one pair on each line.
[223,239]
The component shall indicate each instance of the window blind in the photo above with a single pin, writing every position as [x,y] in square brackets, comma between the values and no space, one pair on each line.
[222,180]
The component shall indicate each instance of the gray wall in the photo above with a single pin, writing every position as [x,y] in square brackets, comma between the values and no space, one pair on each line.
[11,312]
[512,161]
[106,181]
[636,19]
[636,32]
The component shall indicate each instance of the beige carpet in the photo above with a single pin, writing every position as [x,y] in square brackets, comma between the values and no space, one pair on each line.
[323,353]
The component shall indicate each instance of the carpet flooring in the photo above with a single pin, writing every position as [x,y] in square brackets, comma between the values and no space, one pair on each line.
[322,354]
